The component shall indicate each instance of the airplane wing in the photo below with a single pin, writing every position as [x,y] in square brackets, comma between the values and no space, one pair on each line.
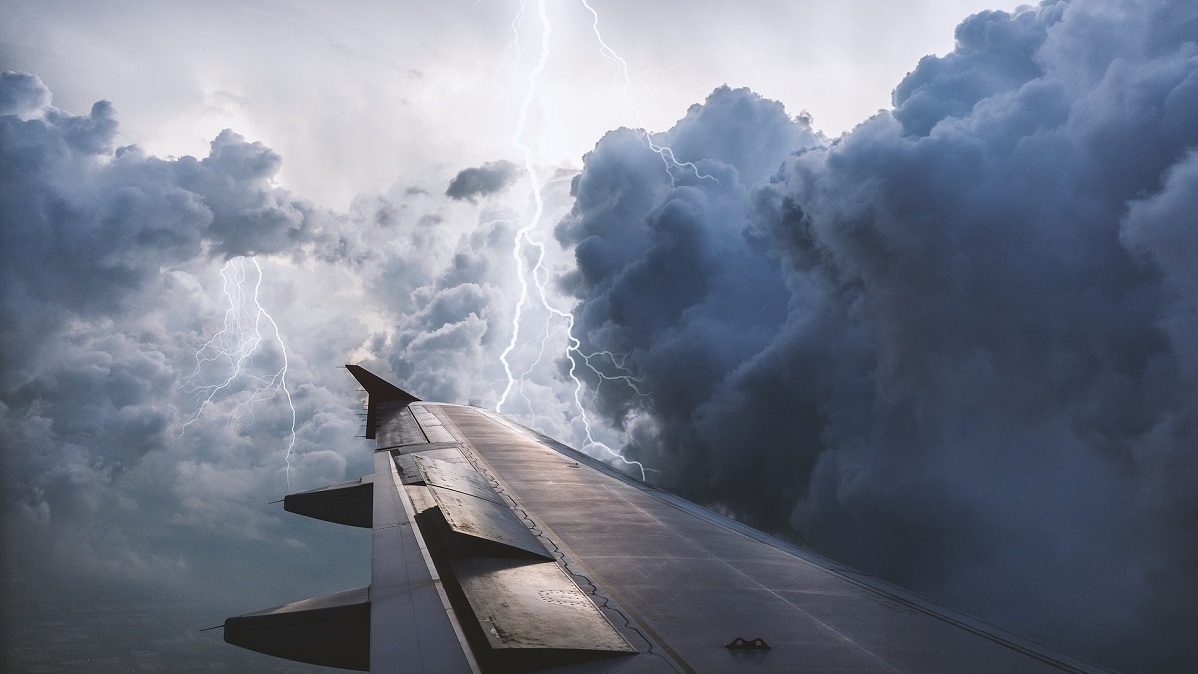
[497,549]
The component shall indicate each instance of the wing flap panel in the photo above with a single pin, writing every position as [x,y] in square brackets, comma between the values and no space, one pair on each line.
[459,477]
[525,606]
[487,521]
[406,463]
[431,425]
[396,427]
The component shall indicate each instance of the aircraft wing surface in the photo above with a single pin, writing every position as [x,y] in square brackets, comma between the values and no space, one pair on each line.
[497,549]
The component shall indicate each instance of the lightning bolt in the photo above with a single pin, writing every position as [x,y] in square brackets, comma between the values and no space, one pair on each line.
[225,364]
[522,237]
[525,245]
[620,365]
[623,77]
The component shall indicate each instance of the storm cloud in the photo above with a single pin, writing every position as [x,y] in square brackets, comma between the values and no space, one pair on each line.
[124,482]
[953,347]
[104,251]
[481,181]
[86,226]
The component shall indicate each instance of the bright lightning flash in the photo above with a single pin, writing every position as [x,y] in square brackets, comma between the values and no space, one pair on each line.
[229,364]
[623,79]
[526,245]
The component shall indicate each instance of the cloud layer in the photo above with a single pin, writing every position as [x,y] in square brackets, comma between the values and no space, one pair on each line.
[138,461]
[952,347]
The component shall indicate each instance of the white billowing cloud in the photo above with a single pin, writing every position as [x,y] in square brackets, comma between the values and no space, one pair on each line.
[362,97]
[120,467]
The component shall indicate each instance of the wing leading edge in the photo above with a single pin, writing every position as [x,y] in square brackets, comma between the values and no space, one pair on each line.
[497,549]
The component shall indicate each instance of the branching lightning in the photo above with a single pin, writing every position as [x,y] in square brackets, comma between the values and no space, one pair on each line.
[620,365]
[522,237]
[623,77]
[525,245]
[229,364]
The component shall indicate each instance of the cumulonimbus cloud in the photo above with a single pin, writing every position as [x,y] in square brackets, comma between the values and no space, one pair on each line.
[954,344]
[953,347]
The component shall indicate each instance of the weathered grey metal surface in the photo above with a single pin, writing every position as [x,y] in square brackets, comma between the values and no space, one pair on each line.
[410,630]
[692,581]
[486,520]
[395,426]
[431,426]
[420,497]
[406,462]
[460,477]
[534,605]
[655,583]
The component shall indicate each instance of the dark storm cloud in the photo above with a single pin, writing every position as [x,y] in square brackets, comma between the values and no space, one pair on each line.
[103,249]
[87,232]
[671,275]
[481,181]
[21,94]
[84,227]
[954,347]
[120,483]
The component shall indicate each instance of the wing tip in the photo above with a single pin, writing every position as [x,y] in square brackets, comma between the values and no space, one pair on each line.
[379,389]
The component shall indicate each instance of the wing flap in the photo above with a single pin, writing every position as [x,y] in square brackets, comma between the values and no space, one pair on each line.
[531,606]
[459,477]
[490,528]
[409,473]
[431,425]
[394,426]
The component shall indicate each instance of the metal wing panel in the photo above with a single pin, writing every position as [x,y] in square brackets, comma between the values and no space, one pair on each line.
[409,473]
[459,477]
[396,427]
[431,425]
[410,629]
[486,521]
[695,581]
[535,605]
[497,549]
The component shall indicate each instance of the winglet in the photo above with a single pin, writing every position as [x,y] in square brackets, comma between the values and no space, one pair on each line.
[378,390]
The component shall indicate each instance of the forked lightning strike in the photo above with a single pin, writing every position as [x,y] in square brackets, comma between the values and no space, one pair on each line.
[228,358]
[524,243]
[623,77]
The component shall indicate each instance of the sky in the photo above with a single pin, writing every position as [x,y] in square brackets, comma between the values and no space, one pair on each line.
[911,285]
